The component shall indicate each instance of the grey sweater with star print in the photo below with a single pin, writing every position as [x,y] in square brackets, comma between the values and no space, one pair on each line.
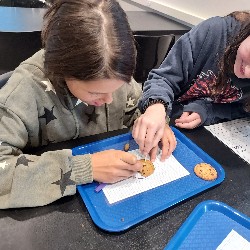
[33,114]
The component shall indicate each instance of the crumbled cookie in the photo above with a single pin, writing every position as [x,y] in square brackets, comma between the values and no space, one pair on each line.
[126,147]
[205,171]
[148,168]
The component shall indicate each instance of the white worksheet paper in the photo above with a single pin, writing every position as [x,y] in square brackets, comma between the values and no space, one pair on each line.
[235,134]
[234,241]
[165,172]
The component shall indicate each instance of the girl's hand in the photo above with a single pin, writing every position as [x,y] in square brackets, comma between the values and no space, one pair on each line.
[188,120]
[149,128]
[111,166]
[168,142]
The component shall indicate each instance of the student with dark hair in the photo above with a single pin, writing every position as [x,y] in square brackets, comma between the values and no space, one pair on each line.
[78,85]
[206,74]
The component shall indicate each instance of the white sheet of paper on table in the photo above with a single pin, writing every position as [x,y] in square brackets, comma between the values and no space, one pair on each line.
[165,172]
[235,134]
[234,241]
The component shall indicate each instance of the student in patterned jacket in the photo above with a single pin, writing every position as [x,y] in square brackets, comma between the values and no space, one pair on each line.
[206,75]
[80,84]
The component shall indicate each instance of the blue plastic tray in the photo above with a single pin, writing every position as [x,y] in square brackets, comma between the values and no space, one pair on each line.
[126,213]
[208,225]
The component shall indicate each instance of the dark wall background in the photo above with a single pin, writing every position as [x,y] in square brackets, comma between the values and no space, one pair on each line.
[16,47]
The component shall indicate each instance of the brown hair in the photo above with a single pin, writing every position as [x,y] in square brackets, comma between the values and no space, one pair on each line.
[226,63]
[87,40]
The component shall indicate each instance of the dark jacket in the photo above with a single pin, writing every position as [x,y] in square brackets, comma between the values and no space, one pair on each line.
[190,70]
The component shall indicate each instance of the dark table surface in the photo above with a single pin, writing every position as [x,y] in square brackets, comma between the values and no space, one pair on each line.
[66,224]
[17,19]
[144,22]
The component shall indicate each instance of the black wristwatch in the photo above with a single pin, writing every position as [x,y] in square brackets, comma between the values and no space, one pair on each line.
[154,101]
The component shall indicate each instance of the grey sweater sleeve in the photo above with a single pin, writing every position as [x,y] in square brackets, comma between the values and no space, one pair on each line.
[30,180]
[211,113]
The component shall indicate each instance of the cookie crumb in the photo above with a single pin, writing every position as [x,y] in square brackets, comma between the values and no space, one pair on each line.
[126,147]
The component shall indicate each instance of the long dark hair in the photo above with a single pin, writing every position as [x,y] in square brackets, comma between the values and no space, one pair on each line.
[87,40]
[226,63]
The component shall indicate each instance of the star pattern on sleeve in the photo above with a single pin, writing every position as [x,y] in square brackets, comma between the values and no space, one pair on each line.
[22,160]
[92,117]
[3,165]
[130,102]
[64,181]
[49,86]
[48,115]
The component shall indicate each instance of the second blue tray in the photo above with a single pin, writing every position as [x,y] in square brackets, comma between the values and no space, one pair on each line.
[208,225]
[126,213]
